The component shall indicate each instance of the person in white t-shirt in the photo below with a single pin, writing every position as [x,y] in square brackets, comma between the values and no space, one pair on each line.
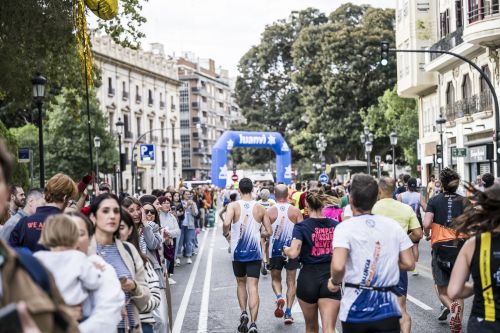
[368,252]
[75,275]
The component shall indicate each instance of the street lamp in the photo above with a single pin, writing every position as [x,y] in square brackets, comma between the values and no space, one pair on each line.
[394,141]
[38,83]
[439,150]
[119,130]
[97,145]
[321,146]
[367,139]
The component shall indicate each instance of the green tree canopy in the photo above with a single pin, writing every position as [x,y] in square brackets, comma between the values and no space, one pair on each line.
[20,176]
[394,114]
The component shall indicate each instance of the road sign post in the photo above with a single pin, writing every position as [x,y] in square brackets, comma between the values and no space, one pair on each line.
[323,178]
[147,154]
[459,152]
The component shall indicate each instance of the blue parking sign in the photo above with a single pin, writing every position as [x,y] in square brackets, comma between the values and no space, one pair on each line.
[323,178]
[147,153]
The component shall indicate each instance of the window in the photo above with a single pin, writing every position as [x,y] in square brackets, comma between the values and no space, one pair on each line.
[185,123]
[124,86]
[110,119]
[151,129]
[125,124]
[138,120]
[152,182]
[150,97]
[111,91]
[459,13]
[445,22]
[173,133]
[162,126]
[163,158]
[450,94]
[483,85]
[126,155]
[466,87]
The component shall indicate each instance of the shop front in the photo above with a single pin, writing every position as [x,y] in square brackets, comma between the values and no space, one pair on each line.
[479,160]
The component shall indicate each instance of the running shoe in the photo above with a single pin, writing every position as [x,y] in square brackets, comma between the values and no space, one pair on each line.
[189,261]
[280,303]
[415,272]
[243,328]
[444,313]
[177,262]
[253,328]
[288,319]
[456,319]
[263,269]
[171,281]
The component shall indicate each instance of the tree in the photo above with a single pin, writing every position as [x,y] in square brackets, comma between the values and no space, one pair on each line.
[37,36]
[20,176]
[339,74]
[265,90]
[27,137]
[67,137]
[394,114]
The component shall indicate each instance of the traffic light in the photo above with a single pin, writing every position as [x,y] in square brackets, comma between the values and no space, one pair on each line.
[439,154]
[384,52]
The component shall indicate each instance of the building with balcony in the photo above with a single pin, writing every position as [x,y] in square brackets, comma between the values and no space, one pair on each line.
[447,86]
[207,109]
[141,88]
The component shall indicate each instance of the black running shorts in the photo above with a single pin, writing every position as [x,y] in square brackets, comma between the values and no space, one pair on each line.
[279,263]
[312,284]
[388,325]
[247,268]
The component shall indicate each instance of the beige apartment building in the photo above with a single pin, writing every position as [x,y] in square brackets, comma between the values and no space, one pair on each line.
[141,89]
[207,109]
[447,86]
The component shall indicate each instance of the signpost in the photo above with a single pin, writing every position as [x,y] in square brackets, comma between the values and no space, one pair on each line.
[459,152]
[323,178]
[147,154]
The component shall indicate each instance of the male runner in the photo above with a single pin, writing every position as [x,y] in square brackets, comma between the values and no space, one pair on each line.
[283,217]
[243,228]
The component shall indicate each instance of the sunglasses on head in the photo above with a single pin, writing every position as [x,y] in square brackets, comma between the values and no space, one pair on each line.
[149,211]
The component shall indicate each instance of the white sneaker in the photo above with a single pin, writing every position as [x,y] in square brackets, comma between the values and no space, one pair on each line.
[171,281]
[189,261]
[177,262]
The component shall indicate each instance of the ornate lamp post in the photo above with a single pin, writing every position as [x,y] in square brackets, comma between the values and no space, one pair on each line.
[367,139]
[321,146]
[439,150]
[97,145]
[119,130]
[394,141]
[38,95]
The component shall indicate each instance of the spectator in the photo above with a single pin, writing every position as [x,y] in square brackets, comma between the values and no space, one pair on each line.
[488,180]
[171,232]
[58,191]
[17,199]
[34,199]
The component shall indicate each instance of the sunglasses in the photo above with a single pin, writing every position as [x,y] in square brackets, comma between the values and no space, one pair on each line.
[149,211]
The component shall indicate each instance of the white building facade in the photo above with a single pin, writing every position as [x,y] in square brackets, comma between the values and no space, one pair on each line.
[141,89]
[448,87]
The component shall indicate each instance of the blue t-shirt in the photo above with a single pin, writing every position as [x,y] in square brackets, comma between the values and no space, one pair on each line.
[316,236]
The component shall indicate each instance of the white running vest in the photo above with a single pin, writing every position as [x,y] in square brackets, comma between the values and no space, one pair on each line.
[282,231]
[245,234]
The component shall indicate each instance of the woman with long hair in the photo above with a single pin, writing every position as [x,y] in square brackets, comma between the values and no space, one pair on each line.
[187,226]
[479,257]
[128,232]
[312,243]
[171,232]
[123,256]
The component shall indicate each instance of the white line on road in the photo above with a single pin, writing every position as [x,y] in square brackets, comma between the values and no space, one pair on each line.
[181,313]
[418,303]
[203,318]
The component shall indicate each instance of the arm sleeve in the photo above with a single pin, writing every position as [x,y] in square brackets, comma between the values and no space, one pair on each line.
[152,236]
[154,288]
[340,237]
[90,276]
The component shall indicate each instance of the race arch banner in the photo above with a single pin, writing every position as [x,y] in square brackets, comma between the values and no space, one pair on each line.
[234,139]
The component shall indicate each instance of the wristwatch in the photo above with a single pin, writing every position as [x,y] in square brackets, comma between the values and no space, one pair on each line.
[335,284]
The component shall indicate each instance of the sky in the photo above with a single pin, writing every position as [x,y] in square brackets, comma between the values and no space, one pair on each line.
[223,30]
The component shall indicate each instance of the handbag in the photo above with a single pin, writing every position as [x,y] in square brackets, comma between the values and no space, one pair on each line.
[169,252]
[447,253]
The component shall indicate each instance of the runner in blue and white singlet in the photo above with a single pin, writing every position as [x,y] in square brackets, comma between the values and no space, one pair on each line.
[245,234]
[282,231]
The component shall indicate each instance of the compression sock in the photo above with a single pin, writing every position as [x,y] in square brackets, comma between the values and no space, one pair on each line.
[278,296]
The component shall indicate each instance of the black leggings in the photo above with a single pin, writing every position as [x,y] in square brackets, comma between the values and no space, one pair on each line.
[171,264]
[388,325]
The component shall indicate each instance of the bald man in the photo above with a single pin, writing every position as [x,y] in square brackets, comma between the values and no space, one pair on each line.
[283,217]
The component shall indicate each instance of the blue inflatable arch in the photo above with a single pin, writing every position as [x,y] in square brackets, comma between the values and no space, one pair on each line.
[233,139]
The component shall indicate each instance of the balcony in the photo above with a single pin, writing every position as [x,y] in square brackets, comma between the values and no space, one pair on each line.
[195,90]
[195,105]
[162,105]
[138,99]
[447,43]
[483,24]
[111,92]
[125,95]
[468,107]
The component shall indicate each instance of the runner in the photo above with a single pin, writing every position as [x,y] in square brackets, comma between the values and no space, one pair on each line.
[283,217]
[413,199]
[479,256]
[312,242]
[242,226]
[407,219]
[266,202]
[367,250]
[440,212]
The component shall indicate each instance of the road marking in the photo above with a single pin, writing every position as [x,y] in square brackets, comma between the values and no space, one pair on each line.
[418,303]
[203,317]
[181,313]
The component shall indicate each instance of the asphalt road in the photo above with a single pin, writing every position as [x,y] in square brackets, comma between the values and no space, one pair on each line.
[204,297]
